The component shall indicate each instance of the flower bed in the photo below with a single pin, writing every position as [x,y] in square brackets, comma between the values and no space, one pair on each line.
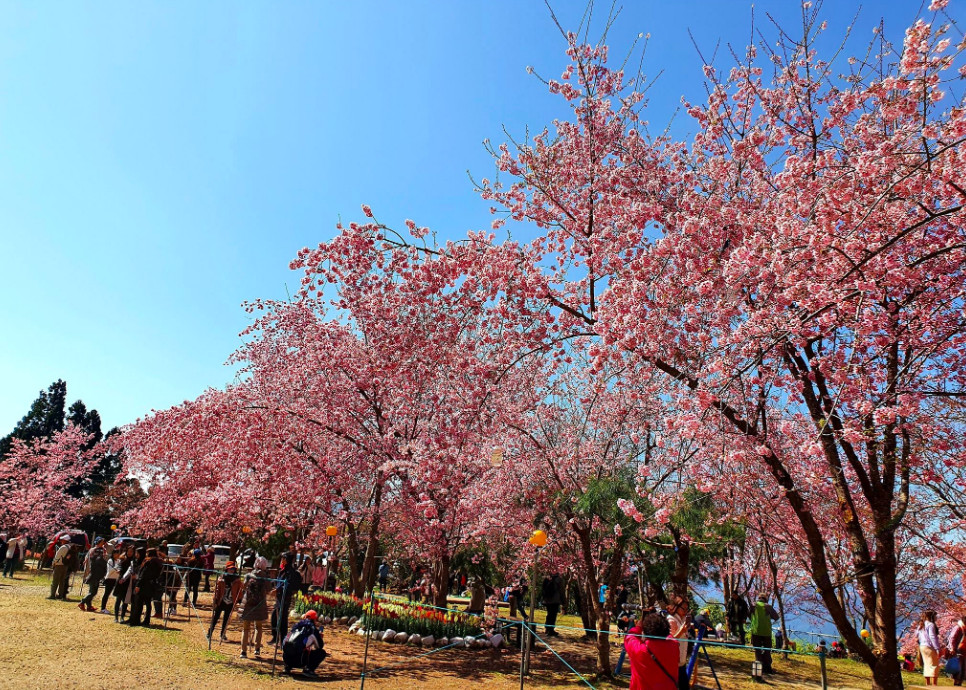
[417,620]
[387,614]
[331,604]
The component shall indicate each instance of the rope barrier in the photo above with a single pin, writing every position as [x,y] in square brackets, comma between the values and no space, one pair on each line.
[237,572]
[541,640]
[618,633]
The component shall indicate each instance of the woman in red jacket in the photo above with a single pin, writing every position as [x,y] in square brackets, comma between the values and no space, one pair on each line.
[653,654]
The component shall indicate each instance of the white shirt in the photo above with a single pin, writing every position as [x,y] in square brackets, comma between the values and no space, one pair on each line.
[61,554]
[12,547]
[679,629]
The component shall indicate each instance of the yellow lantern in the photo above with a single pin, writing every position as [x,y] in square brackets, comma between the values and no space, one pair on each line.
[865,634]
[246,530]
[331,530]
[539,538]
[496,457]
[113,528]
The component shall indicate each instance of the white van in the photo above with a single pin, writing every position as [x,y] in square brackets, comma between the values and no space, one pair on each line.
[221,555]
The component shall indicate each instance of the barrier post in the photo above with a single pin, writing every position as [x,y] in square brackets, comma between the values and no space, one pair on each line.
[821,661]
[525,627]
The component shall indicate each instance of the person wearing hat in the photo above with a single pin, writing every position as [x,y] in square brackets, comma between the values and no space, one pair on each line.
[255,611]
[304,646]
[228,590]
[58,580]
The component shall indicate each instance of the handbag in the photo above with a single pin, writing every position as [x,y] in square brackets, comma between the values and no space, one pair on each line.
[952,665]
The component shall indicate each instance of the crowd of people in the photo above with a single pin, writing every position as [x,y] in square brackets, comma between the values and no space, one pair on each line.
[142,580]
[932,652]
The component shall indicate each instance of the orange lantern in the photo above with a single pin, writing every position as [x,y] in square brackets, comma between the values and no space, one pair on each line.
[539,538]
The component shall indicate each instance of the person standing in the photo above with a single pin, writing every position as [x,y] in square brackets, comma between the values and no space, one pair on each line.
[762,616]
[196,566]
[125,584]
[929,648]
[209,566]
[227,593]
[957,648]
[58,580]
[552,596]
[146,585]
[286,586]
[737,615]
[620,598]
[319,576]
[96,571]
[15,547]
[518,598]
[110,580]
[307,571]
[383,575]
[255,610]
[677,618]
[72,560]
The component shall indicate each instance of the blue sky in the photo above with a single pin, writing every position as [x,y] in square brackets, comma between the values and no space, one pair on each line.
[161,163]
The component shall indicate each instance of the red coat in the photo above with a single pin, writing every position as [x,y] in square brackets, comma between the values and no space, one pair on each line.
[645,673]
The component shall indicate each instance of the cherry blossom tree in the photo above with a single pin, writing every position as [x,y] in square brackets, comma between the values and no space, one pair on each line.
[35,479]
[799,262]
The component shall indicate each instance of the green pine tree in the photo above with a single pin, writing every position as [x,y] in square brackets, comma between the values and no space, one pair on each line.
[45,418]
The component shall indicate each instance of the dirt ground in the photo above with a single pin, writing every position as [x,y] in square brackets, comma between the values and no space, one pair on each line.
[47,644]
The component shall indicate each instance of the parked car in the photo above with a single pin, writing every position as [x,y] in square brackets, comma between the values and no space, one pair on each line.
[122,543]
[76,536]
[221,555]
[174,550]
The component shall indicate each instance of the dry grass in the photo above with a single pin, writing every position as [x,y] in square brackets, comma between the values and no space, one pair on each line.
[47,643]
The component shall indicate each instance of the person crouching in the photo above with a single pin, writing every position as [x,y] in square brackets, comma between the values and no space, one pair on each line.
[304,646]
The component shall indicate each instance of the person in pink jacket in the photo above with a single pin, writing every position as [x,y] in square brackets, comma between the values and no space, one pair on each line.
[653,654]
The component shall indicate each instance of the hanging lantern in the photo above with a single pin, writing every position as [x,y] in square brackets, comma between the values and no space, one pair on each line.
[539,538]
[331,530]
[246,530]
[113,528]
[496,457]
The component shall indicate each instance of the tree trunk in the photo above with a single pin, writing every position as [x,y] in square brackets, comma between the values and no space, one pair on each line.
[582,607]
[600,614]
[887,674]
[441,580]
[679,577]
[352,542]
[773,568]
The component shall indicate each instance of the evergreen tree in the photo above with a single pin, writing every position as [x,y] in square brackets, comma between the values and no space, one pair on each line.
[88,420]
[45,418]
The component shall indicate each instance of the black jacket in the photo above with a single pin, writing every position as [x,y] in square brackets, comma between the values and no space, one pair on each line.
[98,566]
[150,572]
[552,590]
